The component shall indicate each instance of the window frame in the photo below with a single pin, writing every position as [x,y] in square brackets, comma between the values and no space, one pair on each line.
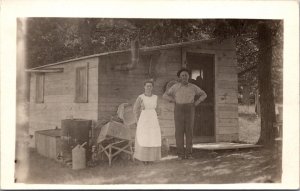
[40,87]
[83,96]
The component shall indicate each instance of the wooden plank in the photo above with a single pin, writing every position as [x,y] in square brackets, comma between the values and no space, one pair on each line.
[59,99]
[227,69]
[166,116]
[59,90]
[224,122]
[166,123]
[46,145]
[171,139]
[228,107]
[85,107]
[121,82]
[51,117]
[61,78]
[173,66]
[130,74]
[168,132]
[227,84]
[104,115]
[227,130]
[113,100]
[120,93]
[227,99]
[223,146]
[228,94]
[227,115]
[107,109]
[222,91]
[86,115]
[226,137]
[54,107]
[49,70]
[228,54]
[232,77]
[126,87]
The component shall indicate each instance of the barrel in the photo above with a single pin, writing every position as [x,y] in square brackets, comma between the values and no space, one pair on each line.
[74,132]
[78,157]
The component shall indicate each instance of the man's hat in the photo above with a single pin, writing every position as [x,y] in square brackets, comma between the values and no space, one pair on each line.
[183,70]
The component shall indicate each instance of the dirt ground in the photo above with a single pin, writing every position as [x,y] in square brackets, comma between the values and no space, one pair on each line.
[258,165]
[244,166]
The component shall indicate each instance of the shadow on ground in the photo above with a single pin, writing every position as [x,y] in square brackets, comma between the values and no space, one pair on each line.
[246,166]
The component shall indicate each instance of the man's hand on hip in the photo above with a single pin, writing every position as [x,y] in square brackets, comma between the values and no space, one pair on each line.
[197,102]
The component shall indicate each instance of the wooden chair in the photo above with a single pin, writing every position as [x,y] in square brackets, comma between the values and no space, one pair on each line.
[114,139]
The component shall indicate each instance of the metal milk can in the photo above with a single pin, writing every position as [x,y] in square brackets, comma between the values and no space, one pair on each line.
[79,157]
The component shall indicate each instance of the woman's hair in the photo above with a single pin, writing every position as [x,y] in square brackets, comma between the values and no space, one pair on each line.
[149,81]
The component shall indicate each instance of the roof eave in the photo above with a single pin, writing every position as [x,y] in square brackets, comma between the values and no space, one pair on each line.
[146,49]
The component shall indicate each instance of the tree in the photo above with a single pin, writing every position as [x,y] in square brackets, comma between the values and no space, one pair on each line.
[267,135]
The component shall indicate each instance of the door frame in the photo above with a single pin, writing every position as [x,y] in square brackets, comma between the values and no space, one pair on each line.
[184,52]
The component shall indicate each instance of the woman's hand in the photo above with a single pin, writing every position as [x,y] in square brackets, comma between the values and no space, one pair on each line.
[158,111]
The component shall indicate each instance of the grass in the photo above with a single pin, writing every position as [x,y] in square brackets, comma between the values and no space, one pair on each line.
[249,125]
[242,166]
[248,166]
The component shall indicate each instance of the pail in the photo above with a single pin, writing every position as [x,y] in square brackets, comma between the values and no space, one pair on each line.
[78,157]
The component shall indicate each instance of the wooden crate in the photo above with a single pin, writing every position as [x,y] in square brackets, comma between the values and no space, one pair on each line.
[48,142]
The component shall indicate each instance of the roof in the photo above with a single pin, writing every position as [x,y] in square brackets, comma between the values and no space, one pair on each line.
[145,49]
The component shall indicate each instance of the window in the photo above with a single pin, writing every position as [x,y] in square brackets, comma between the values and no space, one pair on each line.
[39,93]
[81,94]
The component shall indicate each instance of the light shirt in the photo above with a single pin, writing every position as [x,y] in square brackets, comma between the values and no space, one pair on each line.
[184,94]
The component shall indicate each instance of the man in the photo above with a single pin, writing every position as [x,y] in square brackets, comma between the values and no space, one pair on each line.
[183,95]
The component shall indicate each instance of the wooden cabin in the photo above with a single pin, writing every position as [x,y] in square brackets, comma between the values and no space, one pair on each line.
[92,87]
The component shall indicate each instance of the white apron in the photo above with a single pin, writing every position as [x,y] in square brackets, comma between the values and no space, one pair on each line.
[148,131]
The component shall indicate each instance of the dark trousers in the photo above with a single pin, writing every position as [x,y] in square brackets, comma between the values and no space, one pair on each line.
[184,123]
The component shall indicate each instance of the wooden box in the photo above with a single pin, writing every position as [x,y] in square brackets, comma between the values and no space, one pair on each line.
[48,142]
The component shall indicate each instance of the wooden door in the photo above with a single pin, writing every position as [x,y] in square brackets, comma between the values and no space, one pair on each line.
[202,68]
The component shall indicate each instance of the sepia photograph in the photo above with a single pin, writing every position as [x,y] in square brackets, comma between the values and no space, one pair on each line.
[149,101]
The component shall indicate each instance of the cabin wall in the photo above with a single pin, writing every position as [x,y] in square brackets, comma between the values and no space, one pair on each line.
[226,88]
[116,87]
[227,94]
[59,97]
[109,86]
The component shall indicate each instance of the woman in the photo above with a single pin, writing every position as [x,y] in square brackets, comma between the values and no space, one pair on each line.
[148,135]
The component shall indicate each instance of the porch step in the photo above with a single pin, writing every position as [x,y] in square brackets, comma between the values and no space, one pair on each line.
[221,146]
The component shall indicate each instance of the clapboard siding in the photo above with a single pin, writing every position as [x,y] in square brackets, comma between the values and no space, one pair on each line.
[224,122]
[231,77]
[226,98]
[116,87]
[227,137]
[226,95]
[228,107]
[108,88]
[59,97]
[227,70]
[168,131]
[225,84]
[224,130]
